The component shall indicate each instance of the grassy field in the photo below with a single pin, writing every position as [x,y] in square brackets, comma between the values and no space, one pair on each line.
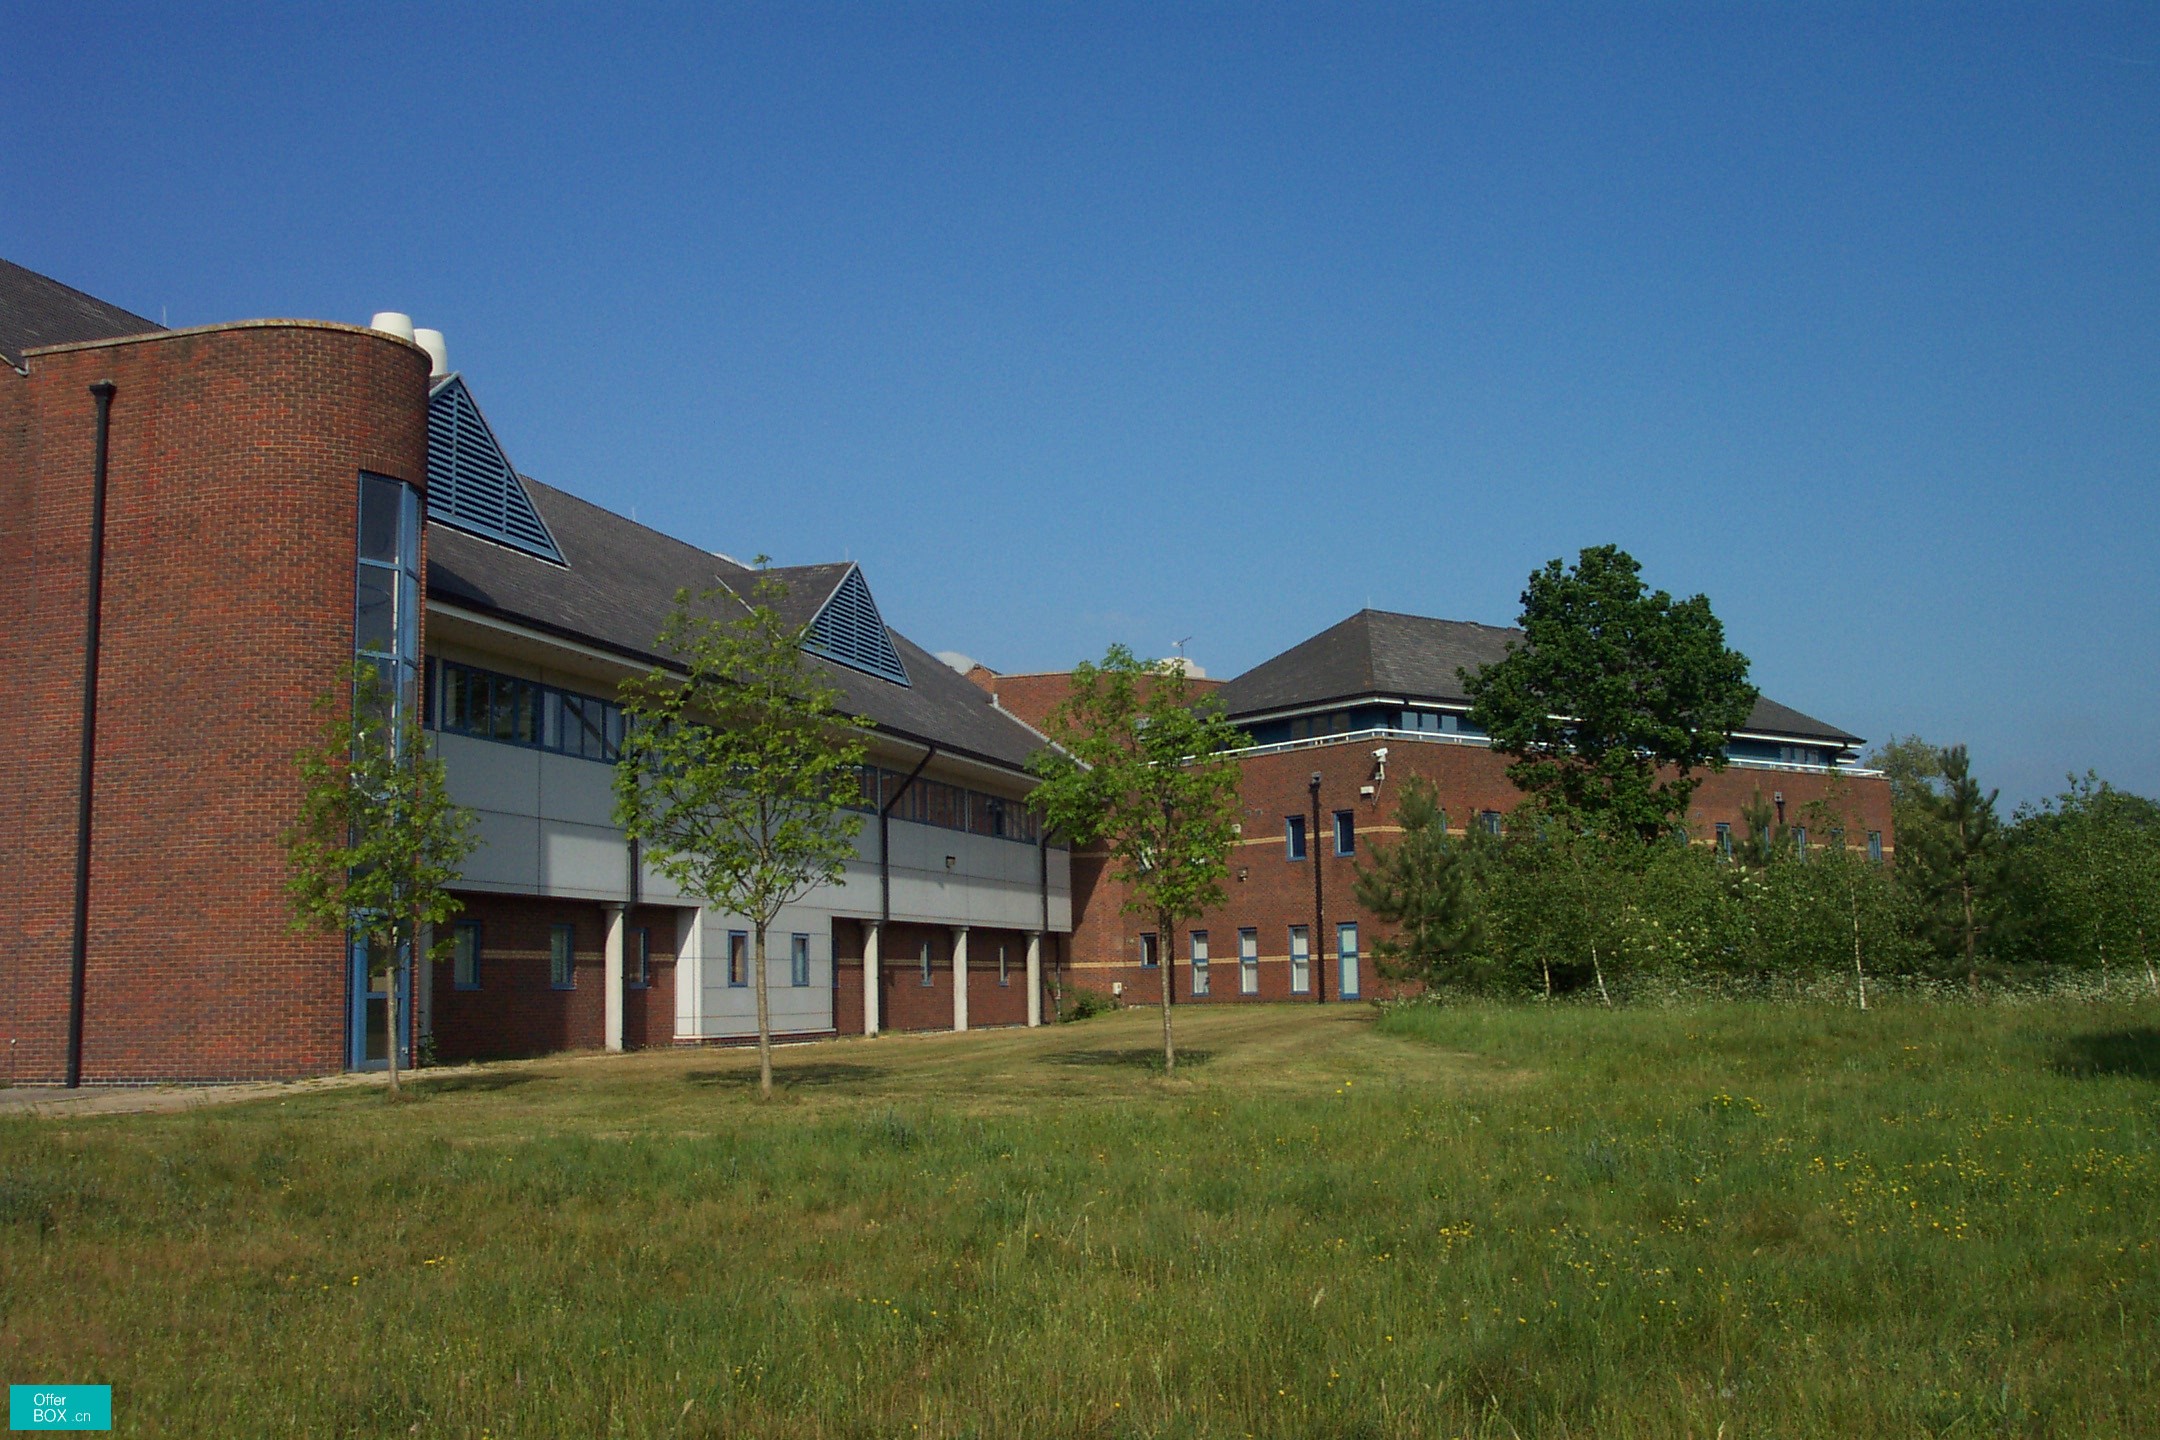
[1741,1220]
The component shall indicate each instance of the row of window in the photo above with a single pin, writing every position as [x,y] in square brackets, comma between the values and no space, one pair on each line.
[738,959]
[1799,841]
[562,956]
[1346,957]
[466,700]
[950,807]
[1346,831]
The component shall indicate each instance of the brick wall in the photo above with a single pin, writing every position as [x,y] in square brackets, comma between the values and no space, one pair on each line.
[1270,893]
[517,1010]
[908,1004]
[228,606]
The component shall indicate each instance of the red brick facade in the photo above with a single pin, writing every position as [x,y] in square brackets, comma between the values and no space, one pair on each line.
[516,1009]
[907,1003]
[228,606]
[1269,893]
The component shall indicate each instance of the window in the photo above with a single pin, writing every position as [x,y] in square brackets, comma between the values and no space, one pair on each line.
[1149,955]
[1294,837]
[466,700]
[465,955]
[386,589]
[1199,962]
[1724,841]
[1451,724]
[738,958]
[1300,961]
[562,956]
[1248,961]
[1799,841]
[1490,819]
[1874,846]
[798,960]
[926,977]
[1346,960]
[637,964]
[1345,832]
[1004,972]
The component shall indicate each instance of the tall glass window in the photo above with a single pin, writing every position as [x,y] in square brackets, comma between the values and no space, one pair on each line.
[386,588]
[1300,961]
[1199,962]
[798,960]
[1348,983]
[1248,959]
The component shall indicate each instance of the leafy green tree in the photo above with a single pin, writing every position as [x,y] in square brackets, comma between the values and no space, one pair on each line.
[1614,698]
[1143,770]
[378,840]
[737,768]
[2091,874]
[1424,885]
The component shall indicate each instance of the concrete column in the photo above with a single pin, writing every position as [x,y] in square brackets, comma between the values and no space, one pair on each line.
[1034,977]
[959,977]
[689,974]
[873,955]
[618,936]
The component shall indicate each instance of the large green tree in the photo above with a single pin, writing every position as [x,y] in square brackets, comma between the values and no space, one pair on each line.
[378,841]
[1614,698]
[1141,767]
[1958,840]
[1424,885]
[737,768]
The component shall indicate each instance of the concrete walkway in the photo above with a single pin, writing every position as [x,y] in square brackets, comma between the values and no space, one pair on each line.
[56,1100]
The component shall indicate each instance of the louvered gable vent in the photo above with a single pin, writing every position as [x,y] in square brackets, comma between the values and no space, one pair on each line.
[470,482]
[850,630]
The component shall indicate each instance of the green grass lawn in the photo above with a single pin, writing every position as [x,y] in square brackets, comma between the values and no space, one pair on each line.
[1499,1221]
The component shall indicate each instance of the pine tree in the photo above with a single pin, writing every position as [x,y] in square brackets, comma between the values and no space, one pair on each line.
[1422,884]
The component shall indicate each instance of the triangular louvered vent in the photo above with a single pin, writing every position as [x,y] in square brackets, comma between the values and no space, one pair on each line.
[470,482]
[850,630]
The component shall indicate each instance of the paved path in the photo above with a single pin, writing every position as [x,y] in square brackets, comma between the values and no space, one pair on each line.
[159,1099]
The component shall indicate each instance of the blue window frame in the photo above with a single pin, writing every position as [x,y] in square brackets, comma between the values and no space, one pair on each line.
[1874,846]
[1199,962]
[1345,832]
[738,958]
[1490,819]
[1724,841]
[562,956]
[1248,958]
[1294,837]
[798,960]
[465,955]
[1300,960]
[466,700]
[637,964]
[1150,953]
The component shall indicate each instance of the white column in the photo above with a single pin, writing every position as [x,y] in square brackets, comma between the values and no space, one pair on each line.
[1034,977]
[689,974]
[872,958]
[618,935]
[959,977]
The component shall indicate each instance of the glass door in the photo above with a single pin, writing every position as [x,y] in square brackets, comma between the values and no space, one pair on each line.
[370,991]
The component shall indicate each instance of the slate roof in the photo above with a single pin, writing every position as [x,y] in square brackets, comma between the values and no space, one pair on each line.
[619,583]
[38,310]
[1380,652]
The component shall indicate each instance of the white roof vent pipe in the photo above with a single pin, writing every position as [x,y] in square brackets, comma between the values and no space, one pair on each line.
[438,353]
[392,322]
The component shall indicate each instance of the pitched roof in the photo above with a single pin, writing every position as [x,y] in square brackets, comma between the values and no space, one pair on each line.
[38,310]
[1382,653]
[618,584]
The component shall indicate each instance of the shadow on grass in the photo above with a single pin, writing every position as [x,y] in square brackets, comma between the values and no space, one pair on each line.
[785,1076]
[1137,1058]
[471,1084]
[2135,1053]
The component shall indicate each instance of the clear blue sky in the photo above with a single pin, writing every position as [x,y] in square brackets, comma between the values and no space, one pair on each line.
[1083,324]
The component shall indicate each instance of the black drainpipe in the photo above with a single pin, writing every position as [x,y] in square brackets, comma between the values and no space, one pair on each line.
[103,390]
[1319,900]
[884,837]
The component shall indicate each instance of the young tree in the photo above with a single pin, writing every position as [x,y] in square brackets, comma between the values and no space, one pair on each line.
[2091,866]
[1423,884]
[378,840]
[737,769]
[1144,770]
[1611,686]
[1960,842]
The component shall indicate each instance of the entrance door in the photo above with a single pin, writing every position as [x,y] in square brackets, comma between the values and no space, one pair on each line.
[368,1047]
[1346,960]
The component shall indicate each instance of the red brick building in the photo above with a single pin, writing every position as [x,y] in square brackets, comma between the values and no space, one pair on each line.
[1339,723]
